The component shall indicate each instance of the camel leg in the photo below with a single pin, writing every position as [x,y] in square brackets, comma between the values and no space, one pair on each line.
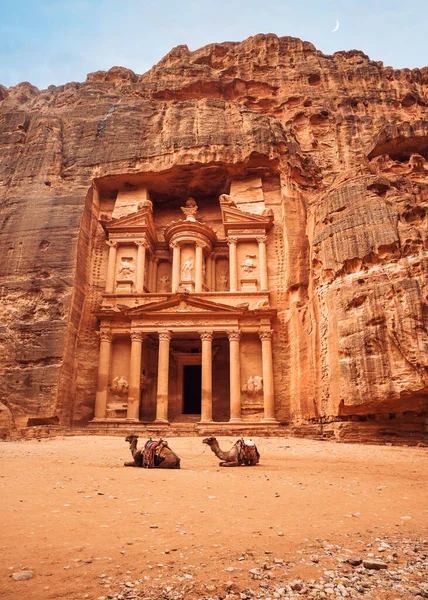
[229,464]
[130,464]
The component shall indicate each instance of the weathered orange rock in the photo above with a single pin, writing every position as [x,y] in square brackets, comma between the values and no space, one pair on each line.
[342,139]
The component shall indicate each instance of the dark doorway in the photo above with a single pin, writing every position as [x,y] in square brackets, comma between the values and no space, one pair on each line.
[192,382]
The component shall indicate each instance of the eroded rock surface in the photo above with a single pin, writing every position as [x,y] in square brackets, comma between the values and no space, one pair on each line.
[348,140]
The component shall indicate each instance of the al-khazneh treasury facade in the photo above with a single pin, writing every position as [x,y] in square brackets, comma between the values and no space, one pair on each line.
[187,316]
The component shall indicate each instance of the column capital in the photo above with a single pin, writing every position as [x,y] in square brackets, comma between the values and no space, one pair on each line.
[234,336]
[261,239]
[174,245]
[137,336]
[265,334]
[105,336]
[165,336]
[112,243]
[201,245]
[232,240]
[206,335]
[142,242]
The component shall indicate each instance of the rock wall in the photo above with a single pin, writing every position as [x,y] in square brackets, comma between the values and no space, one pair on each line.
[347,139]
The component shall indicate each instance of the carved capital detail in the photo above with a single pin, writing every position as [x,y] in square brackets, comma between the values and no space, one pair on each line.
[142,242]
[165,336]
[112,243]
[232,240]
[261,239]
[105,336]
[137,336]
[234,336]
[265,334]
[174,245]
[206,335]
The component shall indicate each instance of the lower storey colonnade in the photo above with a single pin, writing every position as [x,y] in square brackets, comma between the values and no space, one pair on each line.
[164,337]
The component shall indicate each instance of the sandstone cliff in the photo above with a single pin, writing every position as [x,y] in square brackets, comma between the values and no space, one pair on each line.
[348,139]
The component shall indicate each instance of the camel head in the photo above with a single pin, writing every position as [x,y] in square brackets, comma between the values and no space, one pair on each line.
[210,441]
[131,438]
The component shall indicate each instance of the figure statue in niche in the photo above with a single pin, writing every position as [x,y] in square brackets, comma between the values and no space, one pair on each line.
[163,283]
[186,270]
[254,386]
[223,280]
[248,266]
[190,210]
[119,385]
[126,268]
[227,200]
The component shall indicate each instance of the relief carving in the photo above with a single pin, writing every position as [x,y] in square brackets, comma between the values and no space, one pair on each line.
[254,386]
[119,386]
[248,266]
[126,268]
[164,284]
[187,270]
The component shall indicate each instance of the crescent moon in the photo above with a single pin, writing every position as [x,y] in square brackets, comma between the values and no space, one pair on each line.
[336,28]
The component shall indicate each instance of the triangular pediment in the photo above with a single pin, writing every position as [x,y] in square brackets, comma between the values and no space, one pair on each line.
[182,304]
[235,219]
[140,221]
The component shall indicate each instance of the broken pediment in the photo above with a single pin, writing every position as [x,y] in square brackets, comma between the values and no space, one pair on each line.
[234,218]
[137,223]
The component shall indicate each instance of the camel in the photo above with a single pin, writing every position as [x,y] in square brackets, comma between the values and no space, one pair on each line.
[241,453]
[164,457]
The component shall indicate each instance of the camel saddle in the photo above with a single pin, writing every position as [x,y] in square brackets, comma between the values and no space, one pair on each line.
[149,453]
[247,451]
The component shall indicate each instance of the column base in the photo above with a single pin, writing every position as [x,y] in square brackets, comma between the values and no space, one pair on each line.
[161,422]
[234,420]
[131,420]
[270,420]
[205,421]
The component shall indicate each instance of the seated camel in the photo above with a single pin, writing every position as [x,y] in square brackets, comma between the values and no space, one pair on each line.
[241,453]
[154,454]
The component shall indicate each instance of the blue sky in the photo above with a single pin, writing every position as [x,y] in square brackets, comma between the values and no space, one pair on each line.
[55,41]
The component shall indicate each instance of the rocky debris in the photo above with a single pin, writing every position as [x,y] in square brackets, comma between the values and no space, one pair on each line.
[405,575]
[23,575]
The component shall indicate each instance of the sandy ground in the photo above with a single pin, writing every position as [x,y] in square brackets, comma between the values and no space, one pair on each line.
[83,523]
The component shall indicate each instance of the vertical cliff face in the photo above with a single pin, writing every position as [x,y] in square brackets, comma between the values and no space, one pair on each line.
[345,137]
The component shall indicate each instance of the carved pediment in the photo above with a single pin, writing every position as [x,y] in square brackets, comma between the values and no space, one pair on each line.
[182,304]
[138,223]
[234,218]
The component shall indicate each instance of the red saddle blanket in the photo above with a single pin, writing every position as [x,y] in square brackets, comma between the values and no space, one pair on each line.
[149,452]
[247,452]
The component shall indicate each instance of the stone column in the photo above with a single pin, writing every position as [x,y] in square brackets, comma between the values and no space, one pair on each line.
[103,375]
[213,273]
[199,257]
[235,376]
[163,375]
[134,376]
[261,240]
[268,391]
[233,272]
[209,272]
[176,266]
[141,265]
[111,268]
[207,377]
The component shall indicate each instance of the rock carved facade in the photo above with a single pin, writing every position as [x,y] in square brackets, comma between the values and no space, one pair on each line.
[248,210]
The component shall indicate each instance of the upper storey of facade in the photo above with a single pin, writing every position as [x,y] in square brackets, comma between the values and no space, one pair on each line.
[215,247]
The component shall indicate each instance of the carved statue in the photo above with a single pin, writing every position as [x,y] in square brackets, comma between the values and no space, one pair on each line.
[254,386]
[186,269]
[190,210]
[223,281]
[126,268]
[144,204]
[248,265]
[227,200]
[264,303]
[119,385]
[267,212]
[164,283]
